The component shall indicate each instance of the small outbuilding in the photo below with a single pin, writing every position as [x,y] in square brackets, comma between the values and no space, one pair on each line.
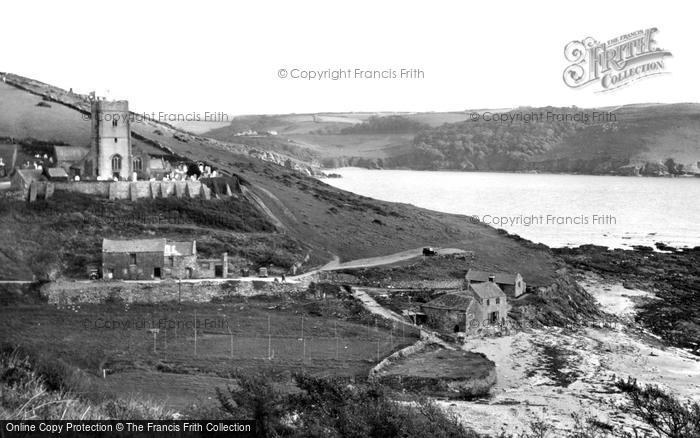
[57,174]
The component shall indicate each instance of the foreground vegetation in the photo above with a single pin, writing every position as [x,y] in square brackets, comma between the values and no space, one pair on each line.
[32,388]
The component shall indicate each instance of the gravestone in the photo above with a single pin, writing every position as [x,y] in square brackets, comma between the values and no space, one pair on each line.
[154,190]
[33,189]
[49,190]
[206,193]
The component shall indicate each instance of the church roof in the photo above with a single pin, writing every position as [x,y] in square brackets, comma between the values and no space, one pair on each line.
[69,153]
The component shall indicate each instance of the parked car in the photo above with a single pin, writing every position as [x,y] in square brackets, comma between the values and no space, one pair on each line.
[93,271]
[262,272]
[429,251]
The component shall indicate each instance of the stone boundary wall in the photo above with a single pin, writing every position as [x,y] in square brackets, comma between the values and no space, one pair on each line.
[132,190]
[404,352]
[98,292]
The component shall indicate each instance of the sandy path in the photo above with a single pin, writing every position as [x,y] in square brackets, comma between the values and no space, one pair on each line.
[388,259]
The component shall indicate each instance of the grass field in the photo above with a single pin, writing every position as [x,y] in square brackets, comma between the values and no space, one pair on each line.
[356,145]
[232,338]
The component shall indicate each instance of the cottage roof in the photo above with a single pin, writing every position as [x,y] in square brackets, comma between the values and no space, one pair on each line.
[56,172]
[459,300]
[483,276]
[69,153]
[180,248]
[486,290]
[29,175]
[134,245]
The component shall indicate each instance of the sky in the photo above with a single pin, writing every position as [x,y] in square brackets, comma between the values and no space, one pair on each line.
[219,56]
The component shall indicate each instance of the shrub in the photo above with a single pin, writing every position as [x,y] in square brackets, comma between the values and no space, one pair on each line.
[667,415]
[333,407]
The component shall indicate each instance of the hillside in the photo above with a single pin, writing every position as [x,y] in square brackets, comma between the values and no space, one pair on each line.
[320,220]
[650,139]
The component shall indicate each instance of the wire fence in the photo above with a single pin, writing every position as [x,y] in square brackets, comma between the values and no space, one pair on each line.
[370,342]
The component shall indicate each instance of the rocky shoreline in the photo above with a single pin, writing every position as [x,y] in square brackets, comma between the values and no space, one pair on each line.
[646,169]
[671,275]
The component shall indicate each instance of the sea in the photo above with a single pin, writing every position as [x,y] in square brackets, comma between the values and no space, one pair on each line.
[554,209]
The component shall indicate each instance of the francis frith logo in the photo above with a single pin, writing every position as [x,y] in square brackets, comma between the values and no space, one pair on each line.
[614,63]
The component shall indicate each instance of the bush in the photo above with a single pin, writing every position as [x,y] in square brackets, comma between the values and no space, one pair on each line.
[667,415]
[333,407]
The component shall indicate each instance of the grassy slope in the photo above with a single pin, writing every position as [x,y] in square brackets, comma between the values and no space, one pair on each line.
[330,220]
[59,237]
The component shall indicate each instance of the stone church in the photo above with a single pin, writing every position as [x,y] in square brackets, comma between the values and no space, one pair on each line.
[110,145]
[111,153]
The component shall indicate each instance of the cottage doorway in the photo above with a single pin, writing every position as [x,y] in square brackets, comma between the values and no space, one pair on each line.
[218,270]
[456,329]
[156,272]
[493,317]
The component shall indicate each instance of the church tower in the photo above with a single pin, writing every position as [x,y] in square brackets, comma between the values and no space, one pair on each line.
[111,139]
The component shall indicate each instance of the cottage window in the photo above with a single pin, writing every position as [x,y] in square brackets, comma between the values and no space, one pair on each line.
[115,139]
[171,261]
[116,162]
[138,164]
[114,122]
[132,259]
[498,301]
[205,265]
[488,302]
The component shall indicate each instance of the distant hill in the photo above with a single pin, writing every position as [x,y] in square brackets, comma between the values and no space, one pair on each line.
[646,139]
[308,216]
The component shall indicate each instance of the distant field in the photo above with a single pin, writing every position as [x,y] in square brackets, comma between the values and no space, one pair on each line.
[81,336]
[356,145]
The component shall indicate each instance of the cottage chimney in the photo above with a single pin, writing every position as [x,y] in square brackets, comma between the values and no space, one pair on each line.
[194,247]
[492,278]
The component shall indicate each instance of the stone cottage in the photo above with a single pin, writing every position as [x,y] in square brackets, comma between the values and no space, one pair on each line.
[148,259]
[478,306]
[511,284]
